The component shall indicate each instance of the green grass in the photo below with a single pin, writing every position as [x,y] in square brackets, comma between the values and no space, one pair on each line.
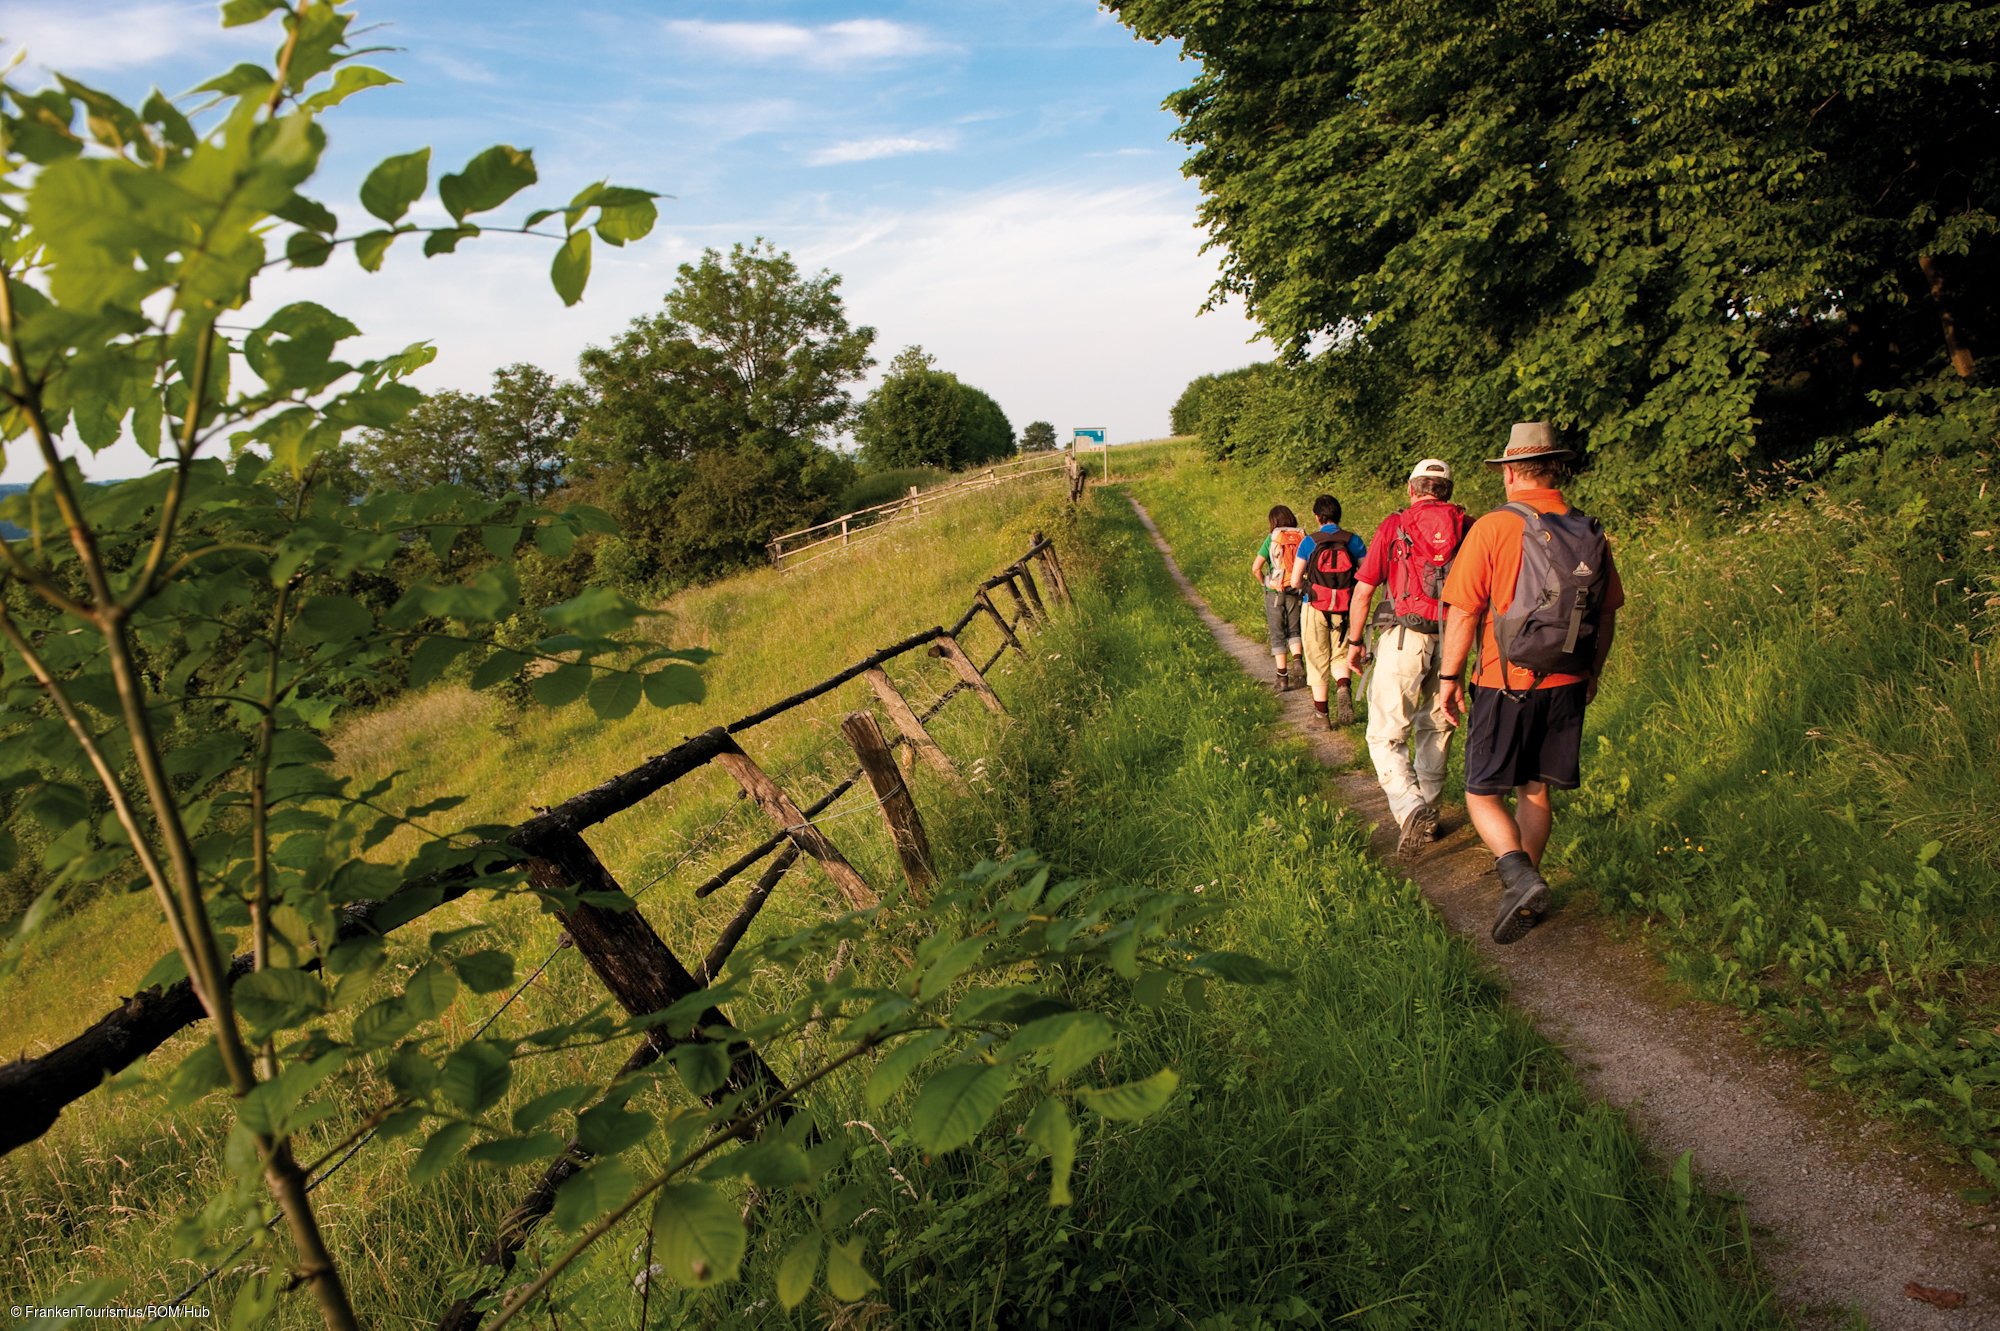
[1790,778]
[1376,1140]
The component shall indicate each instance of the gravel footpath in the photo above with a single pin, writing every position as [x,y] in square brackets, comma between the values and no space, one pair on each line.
[1842,1219]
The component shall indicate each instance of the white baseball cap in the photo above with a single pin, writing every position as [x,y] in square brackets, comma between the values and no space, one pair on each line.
[1437,467]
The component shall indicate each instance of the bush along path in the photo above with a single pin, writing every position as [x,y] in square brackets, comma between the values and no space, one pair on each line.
[1843,1221]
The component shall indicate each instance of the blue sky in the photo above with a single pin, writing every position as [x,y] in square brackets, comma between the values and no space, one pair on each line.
[993,179]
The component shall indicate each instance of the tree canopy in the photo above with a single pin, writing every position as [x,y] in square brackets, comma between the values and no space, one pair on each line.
[1664,225]
[921,416]
[1038,437]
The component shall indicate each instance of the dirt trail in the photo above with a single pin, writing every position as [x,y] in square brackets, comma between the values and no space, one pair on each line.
[1841,1219]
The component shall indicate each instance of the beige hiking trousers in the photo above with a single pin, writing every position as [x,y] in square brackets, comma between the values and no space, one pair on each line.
[1325,652]
[1407,737]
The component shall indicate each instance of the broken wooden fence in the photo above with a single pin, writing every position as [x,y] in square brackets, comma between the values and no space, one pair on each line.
[631,960]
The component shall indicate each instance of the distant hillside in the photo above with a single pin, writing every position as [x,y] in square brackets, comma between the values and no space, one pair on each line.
[8,529]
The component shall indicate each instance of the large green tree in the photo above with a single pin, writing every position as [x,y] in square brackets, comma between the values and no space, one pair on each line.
[741,380]
[1660,223]
[513,441]
[921,416]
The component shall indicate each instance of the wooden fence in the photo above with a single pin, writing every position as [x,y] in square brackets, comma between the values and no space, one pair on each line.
[796,548]
[634,964]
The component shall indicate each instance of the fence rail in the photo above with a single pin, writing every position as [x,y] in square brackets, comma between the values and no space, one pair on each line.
[631,960]
[796,548]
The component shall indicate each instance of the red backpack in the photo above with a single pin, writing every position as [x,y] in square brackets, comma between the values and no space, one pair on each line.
[1420,554]
[1329,582]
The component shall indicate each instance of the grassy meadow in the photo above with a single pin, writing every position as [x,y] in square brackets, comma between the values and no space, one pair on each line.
[1375,1142]
[1791,777]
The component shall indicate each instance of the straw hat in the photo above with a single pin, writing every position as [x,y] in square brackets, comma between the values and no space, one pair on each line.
[1530,441]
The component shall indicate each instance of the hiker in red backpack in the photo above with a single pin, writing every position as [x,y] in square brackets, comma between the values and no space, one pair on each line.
[1323,572]
[1534,583]
[1271,568]
[1409,738]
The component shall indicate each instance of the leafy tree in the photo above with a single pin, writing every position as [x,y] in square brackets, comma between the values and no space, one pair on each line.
[1038,437]
[921,416]
[1661,224]
[513,441]
[749,358]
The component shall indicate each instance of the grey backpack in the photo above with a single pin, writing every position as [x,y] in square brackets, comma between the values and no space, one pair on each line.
[1551,626]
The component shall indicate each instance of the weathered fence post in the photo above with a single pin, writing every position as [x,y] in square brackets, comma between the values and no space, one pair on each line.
[899,810]
[843,531]
[916,735]
[1058,584]
[1034,593]
[1020,602]
[804,835]
[916,504]
[986,604]
[948,648]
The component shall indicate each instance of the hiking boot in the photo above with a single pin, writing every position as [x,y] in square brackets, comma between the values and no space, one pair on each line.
[1325,721]
[1282,684]
[1437,821]
[1524,898]
[1418,829]
[1343,705]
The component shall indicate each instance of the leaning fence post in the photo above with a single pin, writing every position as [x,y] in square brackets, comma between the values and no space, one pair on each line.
[892,793]
[1058,584]
[1020,601]
[804,835]
[911,726]
[1034,592]
[948,648]
[986,604]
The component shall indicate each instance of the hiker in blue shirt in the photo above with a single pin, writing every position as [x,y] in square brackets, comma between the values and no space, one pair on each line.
[1323,571]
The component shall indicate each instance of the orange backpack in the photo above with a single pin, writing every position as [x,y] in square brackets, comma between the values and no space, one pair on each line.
[1284,549]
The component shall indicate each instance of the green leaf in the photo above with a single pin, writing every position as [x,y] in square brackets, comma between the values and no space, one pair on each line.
[896,1066]
[619,223]
[476,1076]
[674,684]
[1151,990]
[348,80]
[954,1105]
[445,240]
[500,540]
[429,991]
[957,960]
[236,13]
[555,539]
[371,247]
[595,609]
[443,1147]
[614,695]
[698,1236]
[485,971]
[770,1164]
[592,1193]
[1135,1099]
[503,665]
[703,1066]
[395,184]
[488,180]
[609,1129]
[846,1277]
[1239,968]
[271,1000]
[570,270]
[1049,1127]
[333,619]
[561,686]
[1068,1039]
[797,1269]
[431,657]
[542,1106]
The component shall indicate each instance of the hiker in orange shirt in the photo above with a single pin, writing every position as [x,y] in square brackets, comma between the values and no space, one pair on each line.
[1535,584]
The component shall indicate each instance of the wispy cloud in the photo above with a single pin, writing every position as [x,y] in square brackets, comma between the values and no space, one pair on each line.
[869,150]
[843,45]
[95,38]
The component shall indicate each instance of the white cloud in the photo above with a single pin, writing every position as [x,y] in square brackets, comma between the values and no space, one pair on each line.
[869,150]
[866,41]
[79,38]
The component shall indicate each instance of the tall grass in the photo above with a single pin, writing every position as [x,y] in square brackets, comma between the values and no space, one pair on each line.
[1791,776]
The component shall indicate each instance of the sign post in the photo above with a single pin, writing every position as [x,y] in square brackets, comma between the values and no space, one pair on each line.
[1093,434]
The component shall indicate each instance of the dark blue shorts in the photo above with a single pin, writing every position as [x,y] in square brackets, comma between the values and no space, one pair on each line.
[1513,739]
